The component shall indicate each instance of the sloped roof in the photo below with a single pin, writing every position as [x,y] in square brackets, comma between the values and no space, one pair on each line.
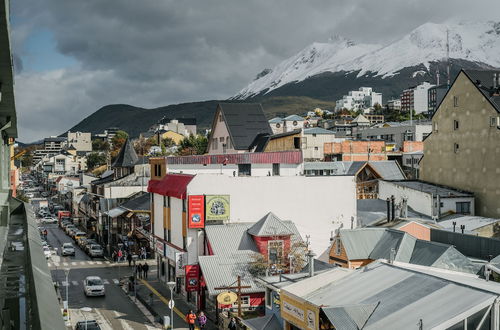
[127,156]
[244,121]
[318,130]
[442,256]
[228,238]
[294,117]
[173,185]
[391,239]
[268,322]
[358,244]
[223,270]
[388,169]
[485,77]
[361,119]
[270,225]
[350,317]
[139,203]
[275,120]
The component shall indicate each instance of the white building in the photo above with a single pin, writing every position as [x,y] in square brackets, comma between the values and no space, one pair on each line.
[363,98]
[421,97]
[80,141]
[314,140]
[287,124]
[396,132]
[428,199]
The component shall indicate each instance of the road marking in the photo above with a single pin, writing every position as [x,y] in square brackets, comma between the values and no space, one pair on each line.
[116,281]
[99,262]
[162,298]
[64,283]
[82,263]
[107,262]
[105,281]
[65,263]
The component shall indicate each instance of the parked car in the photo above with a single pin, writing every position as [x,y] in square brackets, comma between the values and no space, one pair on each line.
[79,234]
[96,251]
[69,228]
[93,286]
[87,245]
[87,325]
[46,252]
[68,249]
[49,220]
[82,241]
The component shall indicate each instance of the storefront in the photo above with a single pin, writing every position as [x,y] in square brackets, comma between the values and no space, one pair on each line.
[171,262]
[297,313]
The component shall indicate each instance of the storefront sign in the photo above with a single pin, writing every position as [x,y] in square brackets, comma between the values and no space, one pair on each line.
[196,211]
[160,248]
[171,251]
[299,313]
[192,277]
[293,310]
[217,207]
[180,261]
[227,298]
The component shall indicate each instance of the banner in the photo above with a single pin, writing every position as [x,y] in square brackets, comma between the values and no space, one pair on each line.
[217,207]
[196,211]
[192,277]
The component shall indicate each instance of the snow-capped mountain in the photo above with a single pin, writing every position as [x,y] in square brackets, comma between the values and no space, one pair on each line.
[471,44]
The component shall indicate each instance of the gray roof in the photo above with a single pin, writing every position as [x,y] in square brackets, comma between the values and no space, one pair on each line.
[127,156]
[139,203]
[270,225]
[485,77]
[318,130]
[228,238]
[275,120]
[403,296]
[391,239]
[350,317]
[388,169]
[244,121]
[361,119]
[431,188]
[358,244]
[268,322]
[471,222]
[294,117]
[223,270]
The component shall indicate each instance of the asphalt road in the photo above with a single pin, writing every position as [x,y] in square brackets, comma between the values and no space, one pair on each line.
[113,311]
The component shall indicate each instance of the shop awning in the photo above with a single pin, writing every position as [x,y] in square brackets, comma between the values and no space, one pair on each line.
[173,185]
[116,212]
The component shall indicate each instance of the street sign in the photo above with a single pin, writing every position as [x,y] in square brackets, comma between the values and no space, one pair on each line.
[171,304]
[227,298]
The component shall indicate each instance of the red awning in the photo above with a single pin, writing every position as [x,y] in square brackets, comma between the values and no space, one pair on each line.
[173,185]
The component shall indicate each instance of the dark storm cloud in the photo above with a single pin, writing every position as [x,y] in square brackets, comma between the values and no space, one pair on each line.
[156,52]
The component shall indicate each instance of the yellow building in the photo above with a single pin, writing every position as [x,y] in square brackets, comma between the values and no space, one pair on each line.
[463,150]
[176,137]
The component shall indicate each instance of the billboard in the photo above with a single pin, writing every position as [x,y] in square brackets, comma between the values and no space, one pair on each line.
[217,207]
[196,211]
[192,277]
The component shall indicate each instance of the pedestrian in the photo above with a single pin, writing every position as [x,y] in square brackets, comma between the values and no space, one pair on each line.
[232,324]
[143,253]
[120,255]
[191,319]
[202,320]
[145,269]
[45,233]
[114,256]
[138,271]
[129,259]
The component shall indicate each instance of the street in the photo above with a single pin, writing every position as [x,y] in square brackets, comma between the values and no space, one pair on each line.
[113,311]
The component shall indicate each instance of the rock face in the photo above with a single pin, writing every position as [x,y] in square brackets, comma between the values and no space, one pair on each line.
[328,70]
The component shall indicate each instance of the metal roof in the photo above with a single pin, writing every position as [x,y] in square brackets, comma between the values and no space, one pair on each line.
[318,130]
[294,117]
[391,239]
[244,121]
[403,296]
[268,322]
[470,222]
[127,156]
[431,188]
[223,270]
[282,157]
[270,225]
[358,244]
[387,169]
[350,317]
[275,120]
[228,238]
[139,203]
[173,185]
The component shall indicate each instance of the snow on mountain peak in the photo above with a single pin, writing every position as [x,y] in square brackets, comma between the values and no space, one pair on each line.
[473,41]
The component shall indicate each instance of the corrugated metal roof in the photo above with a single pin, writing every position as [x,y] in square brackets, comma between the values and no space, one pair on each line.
[350,317]
[115,212]
[228,238]
[139,203]
[269,225]
[294,117]
[391,239]
[275,120]
[431,188]
[282,157]
[470,222]
[388,169]
[223,270]
[173,185]
[268,322]
[318,130]
[358,244]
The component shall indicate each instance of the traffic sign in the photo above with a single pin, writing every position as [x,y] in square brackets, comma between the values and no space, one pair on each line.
[171,304]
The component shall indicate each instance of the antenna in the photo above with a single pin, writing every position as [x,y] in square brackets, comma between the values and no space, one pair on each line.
[437,77]
[448,57]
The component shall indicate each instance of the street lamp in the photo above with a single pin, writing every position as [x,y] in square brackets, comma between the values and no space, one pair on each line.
[134,258]
[66,272]
[85,310]
[171,286]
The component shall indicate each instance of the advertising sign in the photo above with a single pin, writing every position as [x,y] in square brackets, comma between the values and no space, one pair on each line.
[227,298]
[217,207]
[180,261]
[160,248]
[192,277]
[196,211]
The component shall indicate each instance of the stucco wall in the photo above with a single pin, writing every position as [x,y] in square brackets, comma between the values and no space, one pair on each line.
[158,215]
[219,131]
[476,166]
[317,205]
[417,200]
[257,169]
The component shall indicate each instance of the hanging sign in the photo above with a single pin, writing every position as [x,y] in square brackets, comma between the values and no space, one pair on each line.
[196,211]
[227,298]
[217,207]
[192,277]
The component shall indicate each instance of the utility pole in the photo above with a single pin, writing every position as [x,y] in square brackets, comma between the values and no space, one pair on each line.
[238,287]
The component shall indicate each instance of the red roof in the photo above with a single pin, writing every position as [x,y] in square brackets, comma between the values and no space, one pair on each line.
[173,185]
[282,157]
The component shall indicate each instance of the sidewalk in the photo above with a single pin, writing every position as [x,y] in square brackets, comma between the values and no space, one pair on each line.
[157,304]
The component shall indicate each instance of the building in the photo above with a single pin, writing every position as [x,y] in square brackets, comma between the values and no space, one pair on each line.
[394,105]
[313,141]
[236,126]
[394,295]
[183,126]
[375,119]
[397,132]
[436,94]
[80,141]
[276,125]
[363,98]
[51,146]
[350,150]
[27,296]
[431,200]
[462,150]
[416,98]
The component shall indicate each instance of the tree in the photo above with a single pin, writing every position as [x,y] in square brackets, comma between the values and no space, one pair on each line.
[95,159]
[117,142]
[168,142]
[193,145]
[142,145]
[100,145]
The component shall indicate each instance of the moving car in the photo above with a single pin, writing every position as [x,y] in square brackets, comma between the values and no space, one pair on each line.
[46,252]
[87,325]
[49,220]
[96,251]
[93,286]
[68,249]
[87,245]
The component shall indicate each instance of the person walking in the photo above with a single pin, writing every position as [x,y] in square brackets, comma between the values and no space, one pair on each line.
[129,259]
[145,269]
[232,324]
[138,271]
[191,319]
[202,320]
[114,256]
[120,255]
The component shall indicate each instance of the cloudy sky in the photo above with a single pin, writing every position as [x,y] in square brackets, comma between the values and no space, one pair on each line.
[73,57]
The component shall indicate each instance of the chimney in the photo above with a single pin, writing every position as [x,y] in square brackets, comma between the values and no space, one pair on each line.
[393,205]
[494,80]
[454,225]
[310,258]
[388,201]
[392,255]
[462,227]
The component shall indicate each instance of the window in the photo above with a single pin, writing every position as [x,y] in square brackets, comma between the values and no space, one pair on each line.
[493,121]
[455,101]
[275,251]
[463,207]
[184,205]
[314,135]
[245,302]
[220,117]
[435,126]
[294,123]
[221,139]
[338,247]
[456,147]
[214,143]
[315,148]
[268,298]
[276,169]
[278,125]
[244,169]
[296,142]
[455,125]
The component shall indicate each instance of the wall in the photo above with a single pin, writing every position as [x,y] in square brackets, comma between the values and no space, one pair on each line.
[476,166]
[176,222]
[357,150]
[257,169]
[449,204]
[338,259]
[417,230]
[284,143]
[123,191]
[317,205]
[219,131]
[317,142]
[158,215]
[397,132]
[417,200]
[411,146]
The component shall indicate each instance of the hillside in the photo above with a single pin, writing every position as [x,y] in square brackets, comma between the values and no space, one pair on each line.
[135,120]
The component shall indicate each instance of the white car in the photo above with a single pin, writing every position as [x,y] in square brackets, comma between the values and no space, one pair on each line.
[49,220]
[93,286]
[68,249]
[47,252]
